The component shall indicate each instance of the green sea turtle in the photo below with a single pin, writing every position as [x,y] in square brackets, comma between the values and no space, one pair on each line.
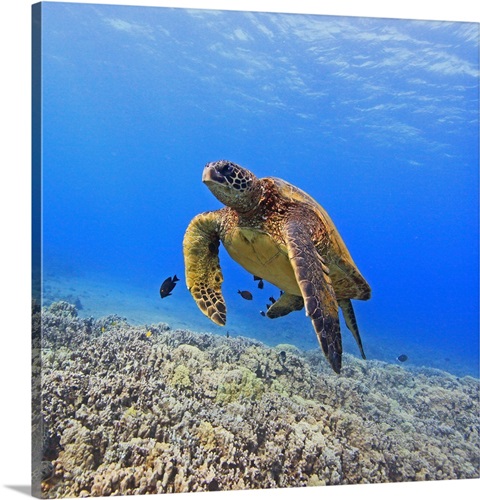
[280,234]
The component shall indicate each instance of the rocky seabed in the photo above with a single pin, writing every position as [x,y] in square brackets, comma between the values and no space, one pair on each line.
[146,409]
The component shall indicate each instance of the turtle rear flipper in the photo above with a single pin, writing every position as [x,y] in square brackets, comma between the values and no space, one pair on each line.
[317,291]
[203,275]
[351,322]
[285,305]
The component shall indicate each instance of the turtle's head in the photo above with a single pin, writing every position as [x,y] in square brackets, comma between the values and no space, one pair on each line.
[233,185]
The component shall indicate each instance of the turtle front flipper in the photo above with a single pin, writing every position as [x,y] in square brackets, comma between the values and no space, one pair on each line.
[317,291]
[351,322]
[203,275]
[285,305]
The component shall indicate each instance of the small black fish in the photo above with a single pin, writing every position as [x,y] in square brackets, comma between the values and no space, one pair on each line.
[268,306]
[228,335]
[260,281]
[282,357]
[262,313]
[167,286]
[272,300]
[246,295]
[402,358]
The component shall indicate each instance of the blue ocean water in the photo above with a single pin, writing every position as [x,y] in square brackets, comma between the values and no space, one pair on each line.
[377,119]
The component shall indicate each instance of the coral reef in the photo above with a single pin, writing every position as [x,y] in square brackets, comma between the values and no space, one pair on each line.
[177,411]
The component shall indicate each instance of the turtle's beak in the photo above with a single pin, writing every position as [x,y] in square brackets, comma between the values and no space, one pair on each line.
[210,174]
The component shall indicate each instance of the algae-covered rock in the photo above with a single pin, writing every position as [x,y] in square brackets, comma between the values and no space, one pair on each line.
[181,377]
[240,383]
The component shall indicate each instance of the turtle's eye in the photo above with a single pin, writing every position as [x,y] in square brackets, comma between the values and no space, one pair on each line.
[226,169]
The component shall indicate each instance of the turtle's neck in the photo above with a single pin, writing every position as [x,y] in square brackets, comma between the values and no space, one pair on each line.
[246,206]
[257,214]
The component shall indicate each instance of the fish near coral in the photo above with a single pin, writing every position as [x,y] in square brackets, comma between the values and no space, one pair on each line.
[246,294]
[167,286]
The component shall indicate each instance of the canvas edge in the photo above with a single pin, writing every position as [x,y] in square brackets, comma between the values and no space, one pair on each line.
[36,249]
